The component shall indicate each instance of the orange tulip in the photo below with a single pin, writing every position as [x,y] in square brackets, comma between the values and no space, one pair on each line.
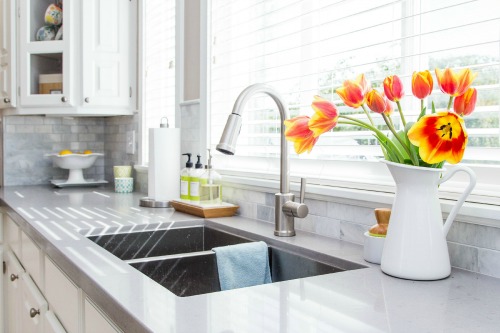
[377,102]
[325,118]
[455,84]
[353,93]
[465,104]
[440,137]
[421,84]
[298,132]
[393,88]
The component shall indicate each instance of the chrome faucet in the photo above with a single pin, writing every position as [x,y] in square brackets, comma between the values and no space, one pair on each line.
[285,208]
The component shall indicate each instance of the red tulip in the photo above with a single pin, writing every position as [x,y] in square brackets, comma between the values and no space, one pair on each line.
[393,88]
[454,84]
[421,84]
[440,137]
[325,118]
[298,132]
[465,104]
[376,101]
[353,93]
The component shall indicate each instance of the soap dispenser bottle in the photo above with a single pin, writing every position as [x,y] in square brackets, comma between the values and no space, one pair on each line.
[186,177]
[211,188]
[194,182]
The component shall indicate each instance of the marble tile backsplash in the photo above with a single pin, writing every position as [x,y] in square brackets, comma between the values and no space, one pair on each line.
[28,138]
[472,247]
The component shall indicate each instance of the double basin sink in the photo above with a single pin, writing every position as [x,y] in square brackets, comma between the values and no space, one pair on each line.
[181,259]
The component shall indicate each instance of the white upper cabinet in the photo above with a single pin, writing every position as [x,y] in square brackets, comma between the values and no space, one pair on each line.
[7,54]
[106,59]
[88,68]
[45,65]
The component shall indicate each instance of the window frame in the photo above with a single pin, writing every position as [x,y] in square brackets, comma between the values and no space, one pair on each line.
[482,198]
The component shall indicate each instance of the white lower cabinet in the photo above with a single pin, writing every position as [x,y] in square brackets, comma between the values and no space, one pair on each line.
[38,297]
[51,324]
[12,292]
[96,321]
[63,296]
[33,306]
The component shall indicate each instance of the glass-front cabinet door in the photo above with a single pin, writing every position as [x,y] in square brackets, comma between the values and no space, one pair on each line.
[45,53]
[7,54]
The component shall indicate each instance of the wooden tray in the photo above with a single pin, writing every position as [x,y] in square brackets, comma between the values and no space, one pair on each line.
[225,209]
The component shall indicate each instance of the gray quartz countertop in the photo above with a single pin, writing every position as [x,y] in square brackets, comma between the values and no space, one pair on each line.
[363,300]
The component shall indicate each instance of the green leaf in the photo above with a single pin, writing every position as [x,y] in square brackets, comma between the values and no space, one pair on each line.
[433,108]
[424,110]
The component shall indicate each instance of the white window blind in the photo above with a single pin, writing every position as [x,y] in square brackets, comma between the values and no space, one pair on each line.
[158,90]
[305,48]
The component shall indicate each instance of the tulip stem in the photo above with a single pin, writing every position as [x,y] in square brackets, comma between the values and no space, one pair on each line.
[450,102]
[357,122]
[367,114]
[403,120]
[421,106]
[406,148]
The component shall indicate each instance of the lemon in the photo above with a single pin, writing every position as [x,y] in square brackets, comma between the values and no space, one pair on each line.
[65,152]
[88,151]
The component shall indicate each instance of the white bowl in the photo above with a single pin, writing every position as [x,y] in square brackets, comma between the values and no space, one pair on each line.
[373,247]
[75,163]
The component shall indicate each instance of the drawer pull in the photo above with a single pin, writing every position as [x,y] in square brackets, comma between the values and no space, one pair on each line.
[34,312]
[14,277]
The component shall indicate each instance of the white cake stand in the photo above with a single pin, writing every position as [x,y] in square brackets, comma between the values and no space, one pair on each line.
[75,163]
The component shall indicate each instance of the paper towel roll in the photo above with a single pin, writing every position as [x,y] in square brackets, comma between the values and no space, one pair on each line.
[164,163]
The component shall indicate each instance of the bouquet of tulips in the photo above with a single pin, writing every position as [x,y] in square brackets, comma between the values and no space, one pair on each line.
[430,141]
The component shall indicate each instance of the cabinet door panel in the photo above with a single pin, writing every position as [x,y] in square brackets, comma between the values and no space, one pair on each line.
[11,235]
[95,320]
[31,258]
[12,292]
[33,306]
[51,324]
[62,295]
[39,60]
[7,54]
[106,43]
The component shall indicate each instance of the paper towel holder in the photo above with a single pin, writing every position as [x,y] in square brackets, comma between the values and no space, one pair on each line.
[151,202]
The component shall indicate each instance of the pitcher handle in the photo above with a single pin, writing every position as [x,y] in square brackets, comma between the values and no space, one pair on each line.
[465,194]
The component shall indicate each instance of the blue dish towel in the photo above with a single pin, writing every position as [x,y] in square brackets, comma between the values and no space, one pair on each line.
[242,265]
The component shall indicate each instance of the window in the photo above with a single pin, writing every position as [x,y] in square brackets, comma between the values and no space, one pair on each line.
[305,48]
[158,66]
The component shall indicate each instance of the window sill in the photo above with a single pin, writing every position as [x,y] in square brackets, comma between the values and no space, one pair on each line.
[476,213]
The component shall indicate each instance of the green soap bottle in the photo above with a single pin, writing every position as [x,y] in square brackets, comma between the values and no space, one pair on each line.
[210,185]
[186,178]
[194,182]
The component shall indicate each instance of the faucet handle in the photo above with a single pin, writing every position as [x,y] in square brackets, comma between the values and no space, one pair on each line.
[297,209]
[303,182]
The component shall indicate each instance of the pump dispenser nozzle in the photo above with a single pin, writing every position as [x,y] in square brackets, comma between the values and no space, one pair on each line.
[198,164]
[189,164]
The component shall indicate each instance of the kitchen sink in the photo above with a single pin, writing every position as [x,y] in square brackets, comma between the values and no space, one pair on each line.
[181,260]
[145,244]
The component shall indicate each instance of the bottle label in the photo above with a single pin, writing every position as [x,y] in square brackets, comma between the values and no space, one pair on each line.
[184,189]
[195,190]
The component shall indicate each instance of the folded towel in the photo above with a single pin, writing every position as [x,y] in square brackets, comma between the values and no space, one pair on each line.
[243,265]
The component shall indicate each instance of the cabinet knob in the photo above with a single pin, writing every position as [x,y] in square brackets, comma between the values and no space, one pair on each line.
[6,100]
[14,277]
[64,99]
[34,312]
[87,100]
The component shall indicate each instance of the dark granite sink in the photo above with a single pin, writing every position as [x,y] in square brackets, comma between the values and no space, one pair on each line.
[181,260]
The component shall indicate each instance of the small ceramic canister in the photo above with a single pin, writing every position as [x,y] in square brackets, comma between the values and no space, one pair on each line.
[124,185]
[122,171]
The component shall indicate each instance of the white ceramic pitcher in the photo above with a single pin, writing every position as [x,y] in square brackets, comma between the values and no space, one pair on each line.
[415,247]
